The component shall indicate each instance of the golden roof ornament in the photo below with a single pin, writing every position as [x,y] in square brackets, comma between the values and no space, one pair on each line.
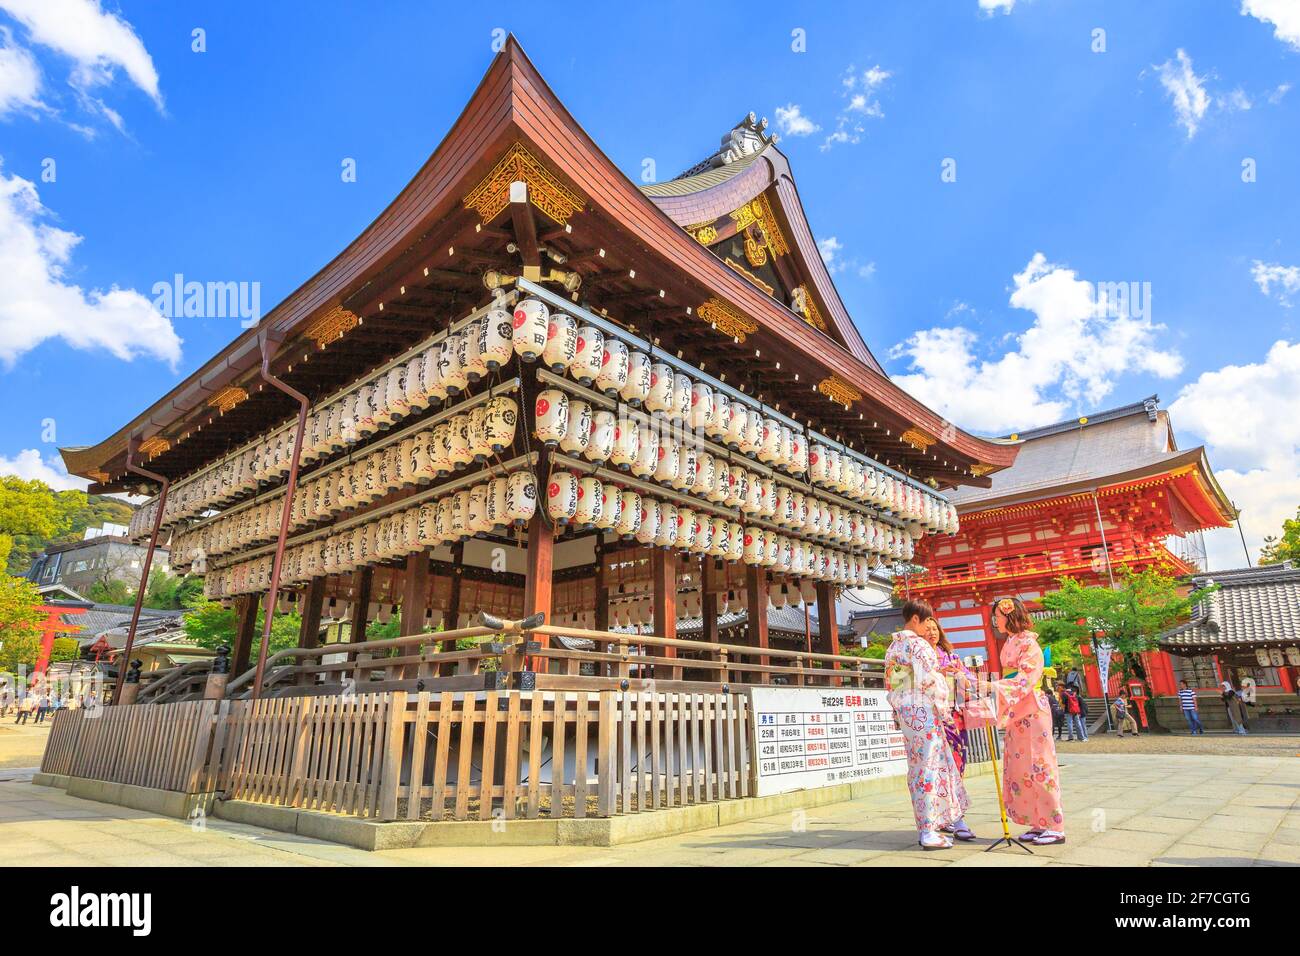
[545,190]
[838,390]
[726,319]
[332,325]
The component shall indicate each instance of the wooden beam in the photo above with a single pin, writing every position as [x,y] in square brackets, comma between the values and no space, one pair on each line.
[828,636]
[245,628]
[756,595]
[663,577]
[541,565]
[362,579]
[415,592]
[521,215]
[313,603]
[602,590]
[709,597]
[451,620]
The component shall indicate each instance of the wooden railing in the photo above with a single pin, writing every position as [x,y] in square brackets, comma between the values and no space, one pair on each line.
[165,747]
[534,660]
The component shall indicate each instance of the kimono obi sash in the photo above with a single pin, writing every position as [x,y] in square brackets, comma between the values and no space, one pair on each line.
[1010,675]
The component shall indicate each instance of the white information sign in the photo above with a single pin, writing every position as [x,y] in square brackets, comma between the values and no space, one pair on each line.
[808,737]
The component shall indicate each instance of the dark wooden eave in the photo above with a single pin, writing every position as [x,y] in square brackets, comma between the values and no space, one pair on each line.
[427,227]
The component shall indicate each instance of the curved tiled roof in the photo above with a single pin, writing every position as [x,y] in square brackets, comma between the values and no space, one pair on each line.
[1253,607]
[685,185]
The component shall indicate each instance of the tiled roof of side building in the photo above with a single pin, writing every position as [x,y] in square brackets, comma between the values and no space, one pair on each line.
[1253,607]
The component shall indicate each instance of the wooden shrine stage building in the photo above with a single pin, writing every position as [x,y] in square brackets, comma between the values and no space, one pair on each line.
[531,386]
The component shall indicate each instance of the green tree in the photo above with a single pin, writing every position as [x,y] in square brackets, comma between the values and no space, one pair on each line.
[1284,548]
[210,625]
[34,516]
[1128,618]
[20,619]
[65,649]
[112,591]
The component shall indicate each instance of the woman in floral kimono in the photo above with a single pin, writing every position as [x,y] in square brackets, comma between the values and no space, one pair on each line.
[1031,778]
[958,677]
[919,695]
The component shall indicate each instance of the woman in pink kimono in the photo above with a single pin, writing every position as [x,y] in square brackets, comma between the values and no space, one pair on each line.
[1031,778]
[918,693]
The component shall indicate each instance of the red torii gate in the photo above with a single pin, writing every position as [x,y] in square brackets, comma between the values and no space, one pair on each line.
[50,629]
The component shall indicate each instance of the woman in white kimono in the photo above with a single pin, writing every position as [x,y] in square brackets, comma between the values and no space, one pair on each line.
[918,693]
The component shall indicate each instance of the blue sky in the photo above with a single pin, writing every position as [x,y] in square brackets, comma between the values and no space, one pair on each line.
[1163,151]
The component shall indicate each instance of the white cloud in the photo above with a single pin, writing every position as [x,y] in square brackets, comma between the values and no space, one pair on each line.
[20,77]
[862,103]
[1269,274]
[992,6]
[867,271]
[1185,89]
[1244,414]
[1278,92]
[1069,357]
[29,466]
[37,303]
[791,121]
[1283,14]
[830,248]
[98,43]
[1235,101]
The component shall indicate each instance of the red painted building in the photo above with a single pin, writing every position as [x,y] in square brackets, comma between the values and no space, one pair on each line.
[1084,499]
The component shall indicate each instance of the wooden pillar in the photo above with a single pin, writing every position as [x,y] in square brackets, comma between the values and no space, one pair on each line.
[713,582]
[663,578]
[415,592]
[451,620]
[362,578]
[540,567]
[828,637]
[756,599]
[602,590]
[245,628]
[313,602]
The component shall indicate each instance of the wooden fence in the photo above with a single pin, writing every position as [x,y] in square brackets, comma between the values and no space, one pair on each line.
[163,747]
[519,755]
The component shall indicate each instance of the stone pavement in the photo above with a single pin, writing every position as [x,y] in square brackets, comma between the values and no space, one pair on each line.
[1121,810]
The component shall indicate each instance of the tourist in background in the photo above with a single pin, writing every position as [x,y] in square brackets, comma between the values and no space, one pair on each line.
[1055,697]
[26,707]
[1187,701]
[1031,777]
[1124,713]
[1230,704]
[1072,704]
[919,696]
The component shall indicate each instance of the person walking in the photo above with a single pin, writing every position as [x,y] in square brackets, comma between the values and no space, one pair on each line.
[26,707]
[1230,700]
[1187,700]
[42,706]
[1073,708]
[1123,714]
[1056,703]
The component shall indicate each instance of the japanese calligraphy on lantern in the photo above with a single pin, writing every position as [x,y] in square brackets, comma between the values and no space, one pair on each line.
[807,737]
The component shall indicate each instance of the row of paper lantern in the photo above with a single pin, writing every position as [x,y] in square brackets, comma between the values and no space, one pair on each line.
[638,611]
[843,473]
[438,373]
[585,502]
[431,453]
[639,448]
[497,504]
[650,450]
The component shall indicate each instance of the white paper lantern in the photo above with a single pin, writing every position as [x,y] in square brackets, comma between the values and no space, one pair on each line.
[521,497]
[737,486]
[719,416]
[578,431]
[551,416]
[496,339]
[719,540]
[588,509]
[561,342]
[476,514]
[498,511]
[531,320]
[562,497]
[611,507]
[660,397]
[479,448]
[629,515]
[686,527]
[431,375]
[590,352]
[648,530]
[637,387]
[754,550]
[667,533]
[702,535]
[627,444]
[669,460]
[604,425]
[500,419]
[647,458]
[613,368]
[458,442]
[452,364]
[683,392]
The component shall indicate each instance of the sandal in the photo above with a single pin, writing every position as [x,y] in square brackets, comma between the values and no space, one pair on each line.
[1047,838]
[1029,836]
[943,844]
[963,833]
